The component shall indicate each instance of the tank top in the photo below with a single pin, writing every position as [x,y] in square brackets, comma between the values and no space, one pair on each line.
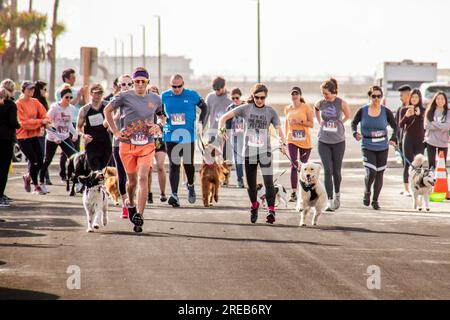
[94,125]
[332,129]
[374,130]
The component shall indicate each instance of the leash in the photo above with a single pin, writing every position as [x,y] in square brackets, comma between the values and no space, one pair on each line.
[52,130]
[406,159]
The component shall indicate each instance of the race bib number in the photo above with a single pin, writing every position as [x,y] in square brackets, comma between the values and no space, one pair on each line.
[62,130]
[238,126]
[330,126]
[96,120]
[378,136]
[299,135]
[178,119]
[257,141]
[139,139]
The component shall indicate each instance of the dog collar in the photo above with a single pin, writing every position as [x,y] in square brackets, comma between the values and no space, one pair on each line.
[310,188]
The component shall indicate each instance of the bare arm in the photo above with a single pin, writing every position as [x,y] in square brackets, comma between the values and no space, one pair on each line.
[346,111]
[80,122]
[110,119]
[227,116]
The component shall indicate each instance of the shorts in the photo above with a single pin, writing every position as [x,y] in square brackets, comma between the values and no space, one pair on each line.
[136,156]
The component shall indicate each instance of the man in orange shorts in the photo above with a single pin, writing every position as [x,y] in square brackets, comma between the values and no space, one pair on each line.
[137,147]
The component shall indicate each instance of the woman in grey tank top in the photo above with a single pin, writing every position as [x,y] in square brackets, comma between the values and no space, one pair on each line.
[332,112]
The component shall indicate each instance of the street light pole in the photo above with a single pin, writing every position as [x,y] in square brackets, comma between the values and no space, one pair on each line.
[123,57]
[132,53]
[115,57]
[259,40]
[144,45]
[159,53]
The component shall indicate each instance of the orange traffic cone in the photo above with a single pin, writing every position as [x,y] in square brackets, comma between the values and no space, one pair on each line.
[441,185]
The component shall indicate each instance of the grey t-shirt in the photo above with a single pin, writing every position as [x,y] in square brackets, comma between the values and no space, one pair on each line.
[217,107]
[136,114]
[332,129]
[257,124]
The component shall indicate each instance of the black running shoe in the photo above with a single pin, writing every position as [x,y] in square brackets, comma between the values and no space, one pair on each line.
[138,220]
[271,217]
[131,212]
[375,205]
[366,200]
[254,215]
[163,197]
[293,197]
[173,201]
[150,198]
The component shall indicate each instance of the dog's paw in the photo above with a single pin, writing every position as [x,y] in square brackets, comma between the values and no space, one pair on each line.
[420,209]
[428,210]
[96,226]
[89,230]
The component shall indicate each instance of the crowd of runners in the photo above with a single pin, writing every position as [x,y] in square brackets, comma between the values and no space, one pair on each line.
[136,128]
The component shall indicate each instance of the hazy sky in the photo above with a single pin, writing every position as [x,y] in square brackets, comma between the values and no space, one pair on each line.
[299,37]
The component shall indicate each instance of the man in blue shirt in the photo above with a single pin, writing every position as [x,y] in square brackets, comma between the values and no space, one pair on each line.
[179,134]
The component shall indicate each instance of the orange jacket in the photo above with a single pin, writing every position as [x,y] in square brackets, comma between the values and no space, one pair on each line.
[30,113]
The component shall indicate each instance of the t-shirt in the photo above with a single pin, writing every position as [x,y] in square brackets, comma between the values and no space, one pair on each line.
[258,121]
[137,113]
[298,134]
[437,131]
[332,129]
[237,124]
[62,122]
[77,108]
[181,114]
[217,107]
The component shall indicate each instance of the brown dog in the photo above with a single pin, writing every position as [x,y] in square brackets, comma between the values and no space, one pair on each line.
[226,169]
[211,175]
[112,184]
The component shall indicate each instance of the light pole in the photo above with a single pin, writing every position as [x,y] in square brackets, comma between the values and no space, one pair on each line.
[115,57]
[143,43]
[259,39]
[123,57]
[132,53]
[159,54]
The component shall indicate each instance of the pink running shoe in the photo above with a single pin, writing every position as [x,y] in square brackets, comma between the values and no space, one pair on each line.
[27,183]
[124,213]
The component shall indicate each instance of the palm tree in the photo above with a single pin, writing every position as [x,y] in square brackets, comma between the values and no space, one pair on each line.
[57,29]
[8,48]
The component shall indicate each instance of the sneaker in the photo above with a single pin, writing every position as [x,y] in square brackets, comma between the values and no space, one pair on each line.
[174,201]
[132,211]
[406,194]
[254,214]
[4,203]
[366,200]
[271,217]
[7,198]
[337,201]
[138,220]
[191,194]
[241,184]
[27,183]
[38,190]
[330,206]
[124,213]
[44,188]
[48,183]
[293,197]
[163,197]
[150,198]
[375,205]
[78,187]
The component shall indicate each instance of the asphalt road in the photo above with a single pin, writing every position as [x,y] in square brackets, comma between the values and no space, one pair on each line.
[197,253]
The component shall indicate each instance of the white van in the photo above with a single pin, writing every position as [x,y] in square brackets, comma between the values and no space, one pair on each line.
[428,91]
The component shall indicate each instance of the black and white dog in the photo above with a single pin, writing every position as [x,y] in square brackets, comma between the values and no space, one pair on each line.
[281,196]
[421,182]
[95,200]
[77,165]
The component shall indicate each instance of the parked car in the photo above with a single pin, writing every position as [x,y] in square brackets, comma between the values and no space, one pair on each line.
[428,90]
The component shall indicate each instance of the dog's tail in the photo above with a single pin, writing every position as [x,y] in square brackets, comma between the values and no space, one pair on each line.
[418,161]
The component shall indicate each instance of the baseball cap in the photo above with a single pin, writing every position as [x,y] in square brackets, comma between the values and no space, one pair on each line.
[28,85]
[95,88]
[296,89]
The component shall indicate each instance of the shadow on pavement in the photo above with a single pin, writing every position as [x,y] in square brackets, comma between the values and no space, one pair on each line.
[18,234]
[32,246]
[363,230]
[16,294]
[2,263]
[229,224]
[44,224]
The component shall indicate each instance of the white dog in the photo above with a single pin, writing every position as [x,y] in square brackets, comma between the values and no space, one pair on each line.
[95,200]
[281,195]
[421,182]
[311,193]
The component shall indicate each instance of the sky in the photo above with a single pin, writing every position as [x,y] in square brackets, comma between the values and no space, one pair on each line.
[298,37]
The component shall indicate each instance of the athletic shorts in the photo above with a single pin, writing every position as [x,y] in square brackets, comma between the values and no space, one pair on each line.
[135,156]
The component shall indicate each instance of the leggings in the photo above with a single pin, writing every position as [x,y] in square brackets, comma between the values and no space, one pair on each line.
[5,161]
[375,163]
[42,144]
[294,152]
[251,172]
[432,152]
[50,150]
[411,149]
[332,156]
[32,150]
[176,152]
[238,144]
[98,155]
[122,176]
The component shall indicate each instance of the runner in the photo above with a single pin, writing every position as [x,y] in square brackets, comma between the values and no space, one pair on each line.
[374,119]
[8,126]
[180,133]
[412,126]
[32,117]
[405,93]
[115,90]
[332,112]
[160,156]
[137,148]
[69,78]
[258,118]
[125,83]
[437,126]
[236,127]
[217,103]
[62,133]
[91,126]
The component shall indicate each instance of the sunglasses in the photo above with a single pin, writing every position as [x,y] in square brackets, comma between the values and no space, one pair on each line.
[127,84]
[260,98]
[141,81]
[377,96]
[68,97]
[177,87]
[235,98]
[295,93]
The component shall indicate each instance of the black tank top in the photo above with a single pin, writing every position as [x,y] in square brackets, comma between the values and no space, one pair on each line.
[94,125]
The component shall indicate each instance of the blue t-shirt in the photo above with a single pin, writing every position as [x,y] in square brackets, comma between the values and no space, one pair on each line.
[374,130]
[181,113]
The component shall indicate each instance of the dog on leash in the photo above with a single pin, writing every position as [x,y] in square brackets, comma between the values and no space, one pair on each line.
[77,165]
[421,182]
[95,200]
[212,173]
[311,194]
[281,195]
[112,184]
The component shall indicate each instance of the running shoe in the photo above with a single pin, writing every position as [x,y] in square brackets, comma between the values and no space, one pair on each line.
[78,187]
[7,198]
[124,213]
[44,188]
[293,197]
[337,201]
[254,214]
[163,197]
[191,194]
[174,201]
[366,200]
[38,190]
[131,211]
[4,203]
[375,205]
[27,183]
[241,184]
[271,217]
[150,198]
[330,206]
[48,183]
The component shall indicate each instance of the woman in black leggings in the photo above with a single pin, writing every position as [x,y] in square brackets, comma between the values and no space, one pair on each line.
[411,123]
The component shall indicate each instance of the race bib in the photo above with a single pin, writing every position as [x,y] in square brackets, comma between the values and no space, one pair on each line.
[257,141]
[62,130]
[178,119]
[378,136]
[139,139]
[330,126]
[238,126]
[298,135]
[96,120]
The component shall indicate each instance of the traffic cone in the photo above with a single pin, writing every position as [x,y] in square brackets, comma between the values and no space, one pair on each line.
[441,185]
